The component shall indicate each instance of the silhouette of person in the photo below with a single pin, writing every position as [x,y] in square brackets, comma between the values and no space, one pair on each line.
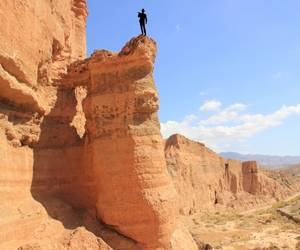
[143,21]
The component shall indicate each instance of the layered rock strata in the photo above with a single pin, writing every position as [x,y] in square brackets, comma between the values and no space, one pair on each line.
[82,159]
[87,137]
[83,138]
[38,39]
[250,177]
[124,148]
[208,182]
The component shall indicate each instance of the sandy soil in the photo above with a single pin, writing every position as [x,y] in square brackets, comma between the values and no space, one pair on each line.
[262,228]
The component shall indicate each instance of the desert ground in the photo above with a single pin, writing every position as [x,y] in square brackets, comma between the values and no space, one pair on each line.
[260,228]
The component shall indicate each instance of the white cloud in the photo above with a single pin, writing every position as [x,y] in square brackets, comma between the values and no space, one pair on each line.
[237,106]
[229,126]
[211,105]
[228,114]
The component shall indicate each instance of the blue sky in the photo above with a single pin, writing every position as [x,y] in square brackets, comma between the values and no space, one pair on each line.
[227,71]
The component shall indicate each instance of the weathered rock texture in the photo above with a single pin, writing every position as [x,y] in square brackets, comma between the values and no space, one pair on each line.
[80,139]
[250,177]
[206,181]
[124,148]
[40,153]
[38,41]
[82,159]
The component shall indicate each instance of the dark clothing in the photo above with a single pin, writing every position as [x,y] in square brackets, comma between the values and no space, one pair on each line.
[143,17]
[143,28]
[143,21]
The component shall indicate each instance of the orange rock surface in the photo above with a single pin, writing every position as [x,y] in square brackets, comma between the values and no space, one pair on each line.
[133,191]
[83,164]
[250,177]
[38,41]
[206,181]
[82,139]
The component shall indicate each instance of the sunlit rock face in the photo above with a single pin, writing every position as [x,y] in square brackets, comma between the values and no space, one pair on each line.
[250,177]
[83,164]
[202,178]
[39,39]
[79,133]
[134,193]
[39,150]
[133,190]
[208,182]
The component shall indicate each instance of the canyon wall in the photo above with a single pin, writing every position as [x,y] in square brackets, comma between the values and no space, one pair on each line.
[200,175]
[83,163]
[208,182]
[250,177]
[38,40]
[39,149]
[124,148]
[80,138]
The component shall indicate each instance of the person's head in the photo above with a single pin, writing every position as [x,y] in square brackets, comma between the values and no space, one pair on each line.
[143,10]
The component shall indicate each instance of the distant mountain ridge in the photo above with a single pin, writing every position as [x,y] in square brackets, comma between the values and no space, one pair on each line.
[265,160]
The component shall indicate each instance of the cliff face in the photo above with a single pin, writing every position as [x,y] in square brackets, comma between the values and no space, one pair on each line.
[206,181]
[80,139]
[250,177]
[124,148]
[83,164]
[200,175]
[38,40]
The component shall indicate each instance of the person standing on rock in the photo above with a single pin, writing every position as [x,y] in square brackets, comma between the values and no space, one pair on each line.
[143,21]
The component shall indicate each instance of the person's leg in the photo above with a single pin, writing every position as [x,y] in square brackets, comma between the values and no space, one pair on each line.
[142,30]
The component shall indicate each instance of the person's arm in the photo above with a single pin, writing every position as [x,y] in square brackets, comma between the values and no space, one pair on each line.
[146,18]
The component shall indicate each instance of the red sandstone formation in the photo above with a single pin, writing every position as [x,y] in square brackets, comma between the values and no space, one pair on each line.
[205,181]
[264,183]
[87,138]
[201,177]
[250,177]
[124,147]
[82,158]
[38,41]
